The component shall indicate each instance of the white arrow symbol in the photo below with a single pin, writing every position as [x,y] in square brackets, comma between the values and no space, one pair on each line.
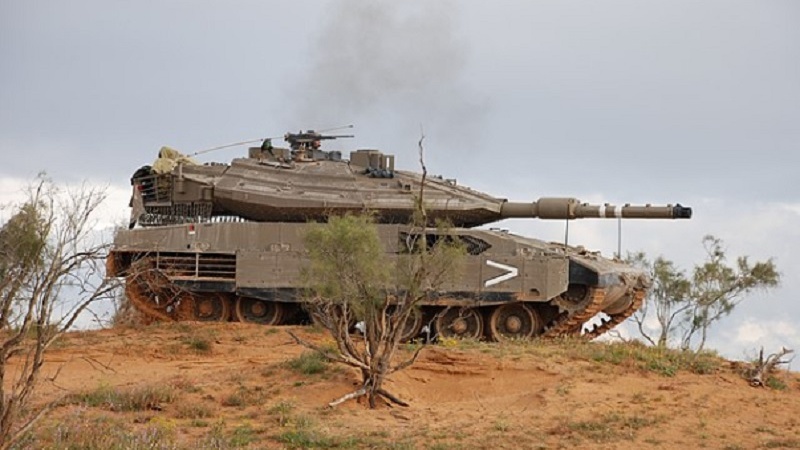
[511,272]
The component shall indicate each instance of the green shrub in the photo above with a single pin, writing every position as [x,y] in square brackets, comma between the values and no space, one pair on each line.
[199,344]
[309,363]
[305,438]
[776,383]
[242,436]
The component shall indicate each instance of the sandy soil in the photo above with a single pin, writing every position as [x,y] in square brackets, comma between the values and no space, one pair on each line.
[543,395]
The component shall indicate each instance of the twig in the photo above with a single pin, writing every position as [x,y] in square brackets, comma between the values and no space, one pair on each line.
[93,361]
[407,363]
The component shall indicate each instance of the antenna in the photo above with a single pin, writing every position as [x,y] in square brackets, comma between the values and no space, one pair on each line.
[252,141]
[235,144]
[343,127]
[566,230]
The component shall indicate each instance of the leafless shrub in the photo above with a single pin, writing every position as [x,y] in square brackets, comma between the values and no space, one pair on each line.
[762,369]
[51,270]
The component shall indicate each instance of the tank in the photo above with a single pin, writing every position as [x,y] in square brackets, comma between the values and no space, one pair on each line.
[220,242]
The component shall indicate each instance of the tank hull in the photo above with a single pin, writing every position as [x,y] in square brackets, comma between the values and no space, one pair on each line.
[253,272]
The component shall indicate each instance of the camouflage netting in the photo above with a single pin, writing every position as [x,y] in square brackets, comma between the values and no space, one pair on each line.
[169,158]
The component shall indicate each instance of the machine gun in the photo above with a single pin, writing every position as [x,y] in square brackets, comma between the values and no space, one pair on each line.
[303,142]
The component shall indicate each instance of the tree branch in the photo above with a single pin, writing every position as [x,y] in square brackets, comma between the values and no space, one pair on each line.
[359,393]
[334,358]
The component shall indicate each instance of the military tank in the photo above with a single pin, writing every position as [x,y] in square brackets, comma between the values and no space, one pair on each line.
[220,242]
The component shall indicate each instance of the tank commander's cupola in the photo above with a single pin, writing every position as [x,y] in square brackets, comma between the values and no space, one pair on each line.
[304,146]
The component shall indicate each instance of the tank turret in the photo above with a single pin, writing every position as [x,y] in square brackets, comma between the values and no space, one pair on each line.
[305,183]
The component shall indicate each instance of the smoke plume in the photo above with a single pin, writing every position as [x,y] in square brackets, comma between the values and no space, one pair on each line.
[389,67]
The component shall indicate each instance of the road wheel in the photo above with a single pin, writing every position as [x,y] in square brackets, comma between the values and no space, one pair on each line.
[209,307]
[459,323]
[513,321]
[255,310]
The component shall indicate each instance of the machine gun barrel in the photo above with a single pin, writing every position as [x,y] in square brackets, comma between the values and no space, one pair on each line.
[335,136]
[311,136]
[572,208]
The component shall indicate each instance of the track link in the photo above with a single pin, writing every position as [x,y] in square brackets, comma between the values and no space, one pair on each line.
[616,319]
[142,303]
[570,325]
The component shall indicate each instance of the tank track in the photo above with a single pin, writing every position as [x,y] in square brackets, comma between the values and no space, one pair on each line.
[564,325]
[142,303]
[570,325]
[616,319]
[150,292]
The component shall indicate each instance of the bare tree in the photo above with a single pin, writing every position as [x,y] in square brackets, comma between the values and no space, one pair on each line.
[685,307]
[351,279]
[51,270]
[761,369]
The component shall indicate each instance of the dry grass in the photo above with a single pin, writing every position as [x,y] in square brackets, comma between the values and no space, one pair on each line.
[255,390]
[664,361]
[140,398]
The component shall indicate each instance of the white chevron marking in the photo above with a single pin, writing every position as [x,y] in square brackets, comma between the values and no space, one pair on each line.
[511,272]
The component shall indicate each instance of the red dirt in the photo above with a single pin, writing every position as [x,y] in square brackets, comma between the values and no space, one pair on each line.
[467,396]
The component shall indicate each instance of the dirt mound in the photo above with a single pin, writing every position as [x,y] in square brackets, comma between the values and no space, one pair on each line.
[194,385]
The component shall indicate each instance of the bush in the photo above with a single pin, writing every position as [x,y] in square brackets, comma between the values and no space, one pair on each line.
[309,363]
[199,344]
[140,398]
[304,438]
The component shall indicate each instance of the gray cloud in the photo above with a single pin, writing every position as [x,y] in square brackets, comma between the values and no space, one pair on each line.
[620,101]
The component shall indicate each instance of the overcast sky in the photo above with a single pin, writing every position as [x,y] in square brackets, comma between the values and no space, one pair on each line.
[608,101]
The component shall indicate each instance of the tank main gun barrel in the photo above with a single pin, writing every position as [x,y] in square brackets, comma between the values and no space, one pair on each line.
[572,208]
